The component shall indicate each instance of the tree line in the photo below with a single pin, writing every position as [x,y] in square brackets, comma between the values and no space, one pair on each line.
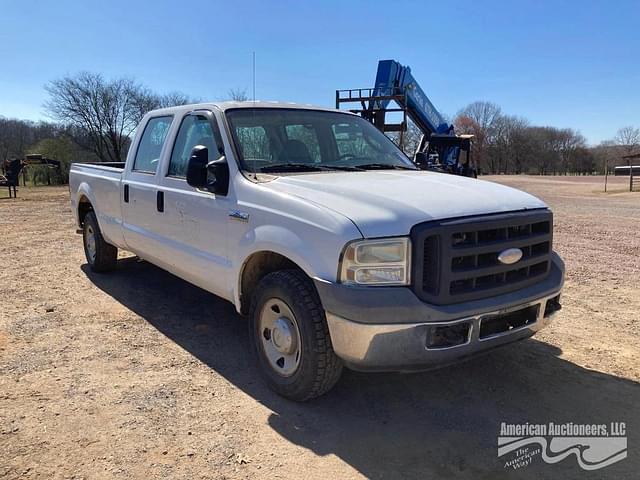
[93,119]
[507,144]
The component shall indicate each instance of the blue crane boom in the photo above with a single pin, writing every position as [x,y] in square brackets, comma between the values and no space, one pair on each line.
[395,79]
[439,147]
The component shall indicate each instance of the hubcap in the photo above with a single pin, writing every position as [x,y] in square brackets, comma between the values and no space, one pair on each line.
[90,242]
[283,336]
[280,337]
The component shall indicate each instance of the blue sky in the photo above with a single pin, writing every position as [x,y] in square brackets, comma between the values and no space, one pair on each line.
[566,64]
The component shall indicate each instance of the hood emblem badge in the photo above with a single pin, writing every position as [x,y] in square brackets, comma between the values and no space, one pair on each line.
[510,256]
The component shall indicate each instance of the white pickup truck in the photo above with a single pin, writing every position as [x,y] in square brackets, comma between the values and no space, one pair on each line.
[321,231]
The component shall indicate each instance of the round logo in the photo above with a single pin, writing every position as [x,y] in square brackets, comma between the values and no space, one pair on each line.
[510,256]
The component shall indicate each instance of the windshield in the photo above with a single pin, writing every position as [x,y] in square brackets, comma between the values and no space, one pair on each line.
[296,140]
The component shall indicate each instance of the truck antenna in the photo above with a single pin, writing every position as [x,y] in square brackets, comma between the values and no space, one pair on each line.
[254,78]
[255,160]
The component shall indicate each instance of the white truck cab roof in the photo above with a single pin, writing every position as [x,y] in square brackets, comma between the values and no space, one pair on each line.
[228,105]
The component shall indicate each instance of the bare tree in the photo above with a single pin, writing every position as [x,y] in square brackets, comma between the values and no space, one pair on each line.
[485,114]
[628,137]
[571,145]
[504,151]
[108,111]
[481,120]
[172,99]
[145,100]
[103,113]
[238,94]
[522,148]
[608,155]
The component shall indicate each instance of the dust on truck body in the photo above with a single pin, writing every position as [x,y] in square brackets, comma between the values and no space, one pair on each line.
[334,245]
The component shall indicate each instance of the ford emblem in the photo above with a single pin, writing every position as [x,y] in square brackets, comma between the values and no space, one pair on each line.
[510,256]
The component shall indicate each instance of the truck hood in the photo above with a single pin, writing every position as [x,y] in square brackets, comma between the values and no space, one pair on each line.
[391,202]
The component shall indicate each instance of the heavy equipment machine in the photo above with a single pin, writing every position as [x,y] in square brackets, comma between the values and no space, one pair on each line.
[440,148]
[11,169]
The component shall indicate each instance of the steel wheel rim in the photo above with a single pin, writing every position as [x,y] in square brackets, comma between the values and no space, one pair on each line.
[280,337]
[90,243]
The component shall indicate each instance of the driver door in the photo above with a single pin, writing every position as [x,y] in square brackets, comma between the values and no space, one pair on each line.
[195,221]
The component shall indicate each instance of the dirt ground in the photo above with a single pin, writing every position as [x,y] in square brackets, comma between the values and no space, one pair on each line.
[137,374]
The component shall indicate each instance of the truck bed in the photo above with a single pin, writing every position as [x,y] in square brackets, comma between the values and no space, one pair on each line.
[109,165]
[100,184]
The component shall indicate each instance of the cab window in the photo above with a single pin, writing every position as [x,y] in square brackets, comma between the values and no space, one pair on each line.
[194,130]
[150,146]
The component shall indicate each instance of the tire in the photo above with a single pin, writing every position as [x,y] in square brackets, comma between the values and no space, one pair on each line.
[279,296]
[101,256]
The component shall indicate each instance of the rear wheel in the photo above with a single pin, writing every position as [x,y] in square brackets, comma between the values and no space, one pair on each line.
[101,256]
[291,337]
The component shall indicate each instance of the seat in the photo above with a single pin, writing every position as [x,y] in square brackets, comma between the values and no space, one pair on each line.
[295,151]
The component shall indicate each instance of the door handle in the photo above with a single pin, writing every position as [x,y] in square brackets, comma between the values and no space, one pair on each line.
[160,201]
[126,193]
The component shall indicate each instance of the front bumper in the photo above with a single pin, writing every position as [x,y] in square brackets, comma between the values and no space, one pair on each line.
[389,329]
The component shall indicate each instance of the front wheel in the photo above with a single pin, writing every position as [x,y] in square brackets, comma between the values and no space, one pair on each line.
[291,337]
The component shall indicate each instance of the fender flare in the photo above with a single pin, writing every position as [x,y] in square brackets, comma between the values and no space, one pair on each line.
[84,190]
[272,239]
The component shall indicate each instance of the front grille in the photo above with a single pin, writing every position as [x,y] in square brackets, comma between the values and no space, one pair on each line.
[457,260]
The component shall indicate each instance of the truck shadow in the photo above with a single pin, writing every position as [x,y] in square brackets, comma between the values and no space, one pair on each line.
[438,424]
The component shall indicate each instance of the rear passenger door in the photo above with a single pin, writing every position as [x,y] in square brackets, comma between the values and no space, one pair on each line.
[140,197]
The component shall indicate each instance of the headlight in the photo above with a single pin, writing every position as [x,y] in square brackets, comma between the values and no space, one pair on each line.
[376,262]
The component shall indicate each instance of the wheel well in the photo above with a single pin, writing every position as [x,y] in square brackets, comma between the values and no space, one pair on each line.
[255,269]
[84,207]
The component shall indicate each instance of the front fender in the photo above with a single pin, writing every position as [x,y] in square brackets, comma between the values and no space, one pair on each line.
[268,238]
[279,240]
[317,258]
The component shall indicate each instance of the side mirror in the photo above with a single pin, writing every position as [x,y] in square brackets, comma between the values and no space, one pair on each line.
[212,176]
[197,167]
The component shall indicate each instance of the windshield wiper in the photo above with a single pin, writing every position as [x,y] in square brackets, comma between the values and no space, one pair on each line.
[291,167]
[383,166]
[306,167]
[346,168]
